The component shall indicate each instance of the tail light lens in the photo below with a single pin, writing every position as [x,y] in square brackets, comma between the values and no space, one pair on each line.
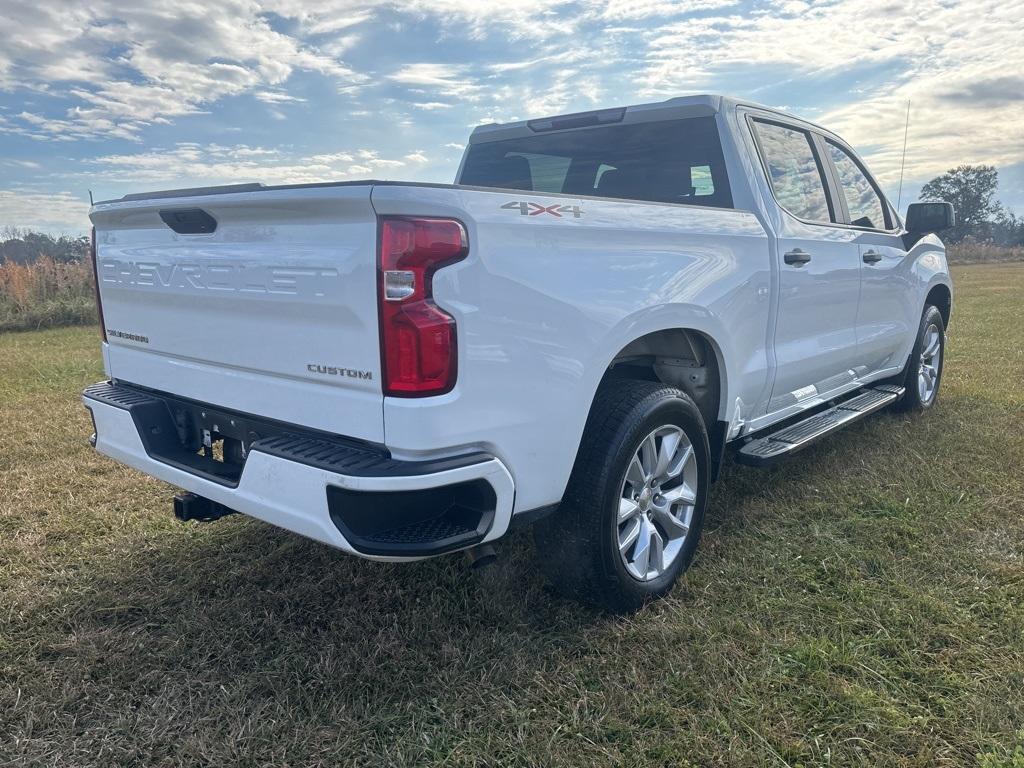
[417,338]
[96,281]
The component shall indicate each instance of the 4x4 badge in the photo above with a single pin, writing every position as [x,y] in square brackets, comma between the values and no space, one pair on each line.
[527,208]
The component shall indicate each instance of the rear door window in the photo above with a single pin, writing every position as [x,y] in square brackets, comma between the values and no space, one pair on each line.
[794,171]
[863,201]
[667,161]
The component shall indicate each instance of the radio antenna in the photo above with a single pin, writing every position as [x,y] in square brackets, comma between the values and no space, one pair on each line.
[903,161]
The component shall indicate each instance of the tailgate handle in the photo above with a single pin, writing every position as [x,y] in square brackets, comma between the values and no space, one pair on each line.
[189,221]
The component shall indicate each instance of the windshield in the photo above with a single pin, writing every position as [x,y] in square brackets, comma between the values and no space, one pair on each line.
[670,161]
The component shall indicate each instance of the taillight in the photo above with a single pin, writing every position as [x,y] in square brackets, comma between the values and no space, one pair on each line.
[417,339]
[96,281]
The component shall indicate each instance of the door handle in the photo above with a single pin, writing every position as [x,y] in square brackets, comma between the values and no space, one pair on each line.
[872,257]
[797,257]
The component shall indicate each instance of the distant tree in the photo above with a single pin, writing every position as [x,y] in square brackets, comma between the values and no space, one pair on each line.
[1008,229]
[972,191]
[23,246]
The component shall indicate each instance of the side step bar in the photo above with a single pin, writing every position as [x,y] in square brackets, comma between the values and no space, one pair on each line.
[777,445]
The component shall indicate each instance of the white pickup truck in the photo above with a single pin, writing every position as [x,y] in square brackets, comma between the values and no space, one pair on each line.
[572,336]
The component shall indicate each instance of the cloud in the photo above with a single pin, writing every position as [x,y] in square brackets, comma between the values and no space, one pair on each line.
[321,24]
[633,10]
[444,79]
[188,164]
[951,60]
[195,164]
[277,97]
[498,18]
[995,91]
[51,211]
[129,65]
[957,113]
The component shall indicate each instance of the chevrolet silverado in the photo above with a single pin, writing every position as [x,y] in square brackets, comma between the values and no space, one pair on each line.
[573,335]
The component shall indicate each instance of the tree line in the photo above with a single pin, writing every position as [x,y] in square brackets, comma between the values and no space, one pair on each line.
[979,216]
[23,246]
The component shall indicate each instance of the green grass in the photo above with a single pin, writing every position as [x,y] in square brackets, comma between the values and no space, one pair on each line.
[862,604]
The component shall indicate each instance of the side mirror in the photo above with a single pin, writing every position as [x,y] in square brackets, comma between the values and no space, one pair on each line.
[925,218]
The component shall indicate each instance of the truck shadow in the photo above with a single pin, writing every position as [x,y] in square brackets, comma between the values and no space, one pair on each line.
[254,612]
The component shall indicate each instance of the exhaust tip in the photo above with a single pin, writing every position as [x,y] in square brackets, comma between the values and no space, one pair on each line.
[481,556]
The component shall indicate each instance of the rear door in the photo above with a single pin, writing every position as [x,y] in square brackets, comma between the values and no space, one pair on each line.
[886,320]
[273,312]
[819,270]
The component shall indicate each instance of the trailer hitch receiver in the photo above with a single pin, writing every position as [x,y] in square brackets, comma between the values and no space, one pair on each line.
[190,506]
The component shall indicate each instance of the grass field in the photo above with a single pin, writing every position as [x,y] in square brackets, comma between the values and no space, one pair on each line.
[862,604]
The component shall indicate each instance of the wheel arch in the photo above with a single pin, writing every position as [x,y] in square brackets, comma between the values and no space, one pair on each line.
[940,296]
[686,358]
[689,358]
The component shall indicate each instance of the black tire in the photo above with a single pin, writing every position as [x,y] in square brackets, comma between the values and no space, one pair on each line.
[578,546]
[915,399]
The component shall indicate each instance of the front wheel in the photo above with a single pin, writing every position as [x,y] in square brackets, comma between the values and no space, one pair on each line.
[634,507]
[924,369]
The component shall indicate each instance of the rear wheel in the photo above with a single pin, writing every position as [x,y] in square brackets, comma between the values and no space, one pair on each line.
[634,508]
[924,369]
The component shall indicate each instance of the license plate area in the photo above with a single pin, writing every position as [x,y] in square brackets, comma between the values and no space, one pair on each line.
[218,437]
[202,441]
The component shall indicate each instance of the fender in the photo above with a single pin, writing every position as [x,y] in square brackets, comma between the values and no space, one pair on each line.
[733,408]
[930,269]
[663,318]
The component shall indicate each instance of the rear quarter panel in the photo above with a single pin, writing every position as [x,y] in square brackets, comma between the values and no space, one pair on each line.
[544,303]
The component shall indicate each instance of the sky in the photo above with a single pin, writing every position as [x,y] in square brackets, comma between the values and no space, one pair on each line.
[118,97]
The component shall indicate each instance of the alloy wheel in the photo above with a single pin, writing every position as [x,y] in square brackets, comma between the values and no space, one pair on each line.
[931,364]
[656,502]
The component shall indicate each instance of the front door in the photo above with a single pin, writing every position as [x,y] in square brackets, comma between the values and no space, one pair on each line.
[819,273]
[886,321]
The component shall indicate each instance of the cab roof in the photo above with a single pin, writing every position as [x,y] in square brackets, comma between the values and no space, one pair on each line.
[679,107]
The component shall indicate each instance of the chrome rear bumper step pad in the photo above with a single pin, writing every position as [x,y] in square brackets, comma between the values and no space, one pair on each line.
[788,440]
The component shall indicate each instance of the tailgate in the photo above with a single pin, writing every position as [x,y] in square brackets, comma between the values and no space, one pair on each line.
[274,313]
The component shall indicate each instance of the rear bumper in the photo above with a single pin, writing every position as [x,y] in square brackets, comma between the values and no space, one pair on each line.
[357,499]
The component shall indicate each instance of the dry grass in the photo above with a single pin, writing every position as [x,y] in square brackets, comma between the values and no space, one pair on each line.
[862,604]
[984,253]
[45,293]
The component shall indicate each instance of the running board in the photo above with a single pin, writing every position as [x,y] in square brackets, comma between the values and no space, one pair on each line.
[770,448]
